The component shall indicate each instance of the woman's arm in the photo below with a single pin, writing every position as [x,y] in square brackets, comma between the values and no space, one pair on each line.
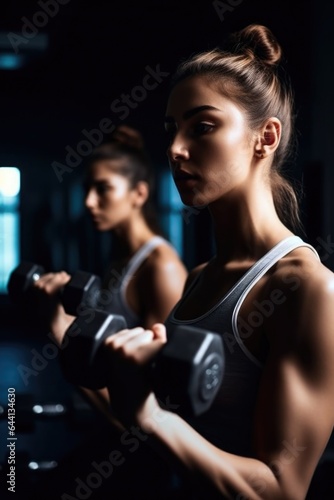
[161,285]
[294,411]
[49,285]
[99,399]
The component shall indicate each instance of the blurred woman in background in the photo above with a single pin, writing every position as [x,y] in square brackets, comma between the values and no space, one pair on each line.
[142,284]
[147,278]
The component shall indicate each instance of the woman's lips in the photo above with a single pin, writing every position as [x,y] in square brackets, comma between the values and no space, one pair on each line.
[184,179]
[95,218]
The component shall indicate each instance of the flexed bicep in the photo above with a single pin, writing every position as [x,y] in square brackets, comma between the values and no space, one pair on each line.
[294,416]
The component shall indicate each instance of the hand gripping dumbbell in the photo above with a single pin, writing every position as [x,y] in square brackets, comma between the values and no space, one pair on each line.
[188,370]
[82,290]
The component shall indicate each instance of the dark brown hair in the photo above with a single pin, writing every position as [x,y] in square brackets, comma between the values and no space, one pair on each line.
[127,145]
[247,70]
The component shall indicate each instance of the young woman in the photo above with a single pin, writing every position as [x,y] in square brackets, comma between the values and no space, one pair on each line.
[147,278]
[230,122]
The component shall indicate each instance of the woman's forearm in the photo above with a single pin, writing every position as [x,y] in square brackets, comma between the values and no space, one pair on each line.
[59,324]
[99,399]
[223,474]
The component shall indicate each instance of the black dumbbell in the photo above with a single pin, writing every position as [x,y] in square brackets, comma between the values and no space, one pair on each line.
[188,370]
[83,289]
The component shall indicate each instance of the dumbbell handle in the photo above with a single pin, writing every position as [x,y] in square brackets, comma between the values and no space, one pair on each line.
[36,276]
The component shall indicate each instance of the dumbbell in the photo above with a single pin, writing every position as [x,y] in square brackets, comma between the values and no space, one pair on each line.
[83,289]
[188,369]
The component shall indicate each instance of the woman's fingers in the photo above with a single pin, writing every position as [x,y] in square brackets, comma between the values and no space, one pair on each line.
[145,338]
[117,340]
[51,283]
[160,332]
[137,344]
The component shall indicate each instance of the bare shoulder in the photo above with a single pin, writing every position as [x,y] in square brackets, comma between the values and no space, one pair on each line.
[164,258]
[303,273]
[304,292]
[163,273]
[162,276]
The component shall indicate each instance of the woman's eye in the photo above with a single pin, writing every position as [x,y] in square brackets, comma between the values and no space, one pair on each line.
[170,132]
[102,188]
[202,128]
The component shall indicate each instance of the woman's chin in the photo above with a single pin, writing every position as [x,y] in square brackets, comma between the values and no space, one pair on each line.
[100,226]
[193,200]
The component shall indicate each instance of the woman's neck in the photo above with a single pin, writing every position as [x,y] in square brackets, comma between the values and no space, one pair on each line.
[246,230]
[132,234]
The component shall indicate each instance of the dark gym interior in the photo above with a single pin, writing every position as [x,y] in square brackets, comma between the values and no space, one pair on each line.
[61,74]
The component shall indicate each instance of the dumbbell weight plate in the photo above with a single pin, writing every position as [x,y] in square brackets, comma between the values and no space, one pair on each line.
[82,291]
[81,356]
[189,370]
[211,377]
[21,279]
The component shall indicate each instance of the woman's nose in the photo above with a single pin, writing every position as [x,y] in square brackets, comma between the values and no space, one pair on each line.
[90,200]
[177,150]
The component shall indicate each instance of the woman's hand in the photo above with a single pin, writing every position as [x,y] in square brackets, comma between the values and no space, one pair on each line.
[130,353]
[49,286]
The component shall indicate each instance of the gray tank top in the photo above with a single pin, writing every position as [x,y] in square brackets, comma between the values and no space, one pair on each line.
[228,423]
[113,298]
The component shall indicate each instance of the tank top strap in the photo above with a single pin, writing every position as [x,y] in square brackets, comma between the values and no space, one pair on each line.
[139,257]
[234,298]
[246,283]
[260,267]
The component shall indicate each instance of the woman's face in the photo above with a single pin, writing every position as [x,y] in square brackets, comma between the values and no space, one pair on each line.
[211,146]
[109,198]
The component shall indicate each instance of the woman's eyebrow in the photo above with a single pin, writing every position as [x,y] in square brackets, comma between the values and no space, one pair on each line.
[191,112]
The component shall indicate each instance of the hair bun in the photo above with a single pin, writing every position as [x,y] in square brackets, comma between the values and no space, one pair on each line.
[128,136]
[259,42]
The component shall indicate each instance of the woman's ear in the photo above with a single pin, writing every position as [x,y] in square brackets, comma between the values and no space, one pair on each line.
[141,194]
[269,138]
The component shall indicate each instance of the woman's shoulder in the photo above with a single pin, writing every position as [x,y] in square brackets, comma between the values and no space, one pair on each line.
[162,276]
[303,289]
[162,266]
[163,255]
[302,270]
